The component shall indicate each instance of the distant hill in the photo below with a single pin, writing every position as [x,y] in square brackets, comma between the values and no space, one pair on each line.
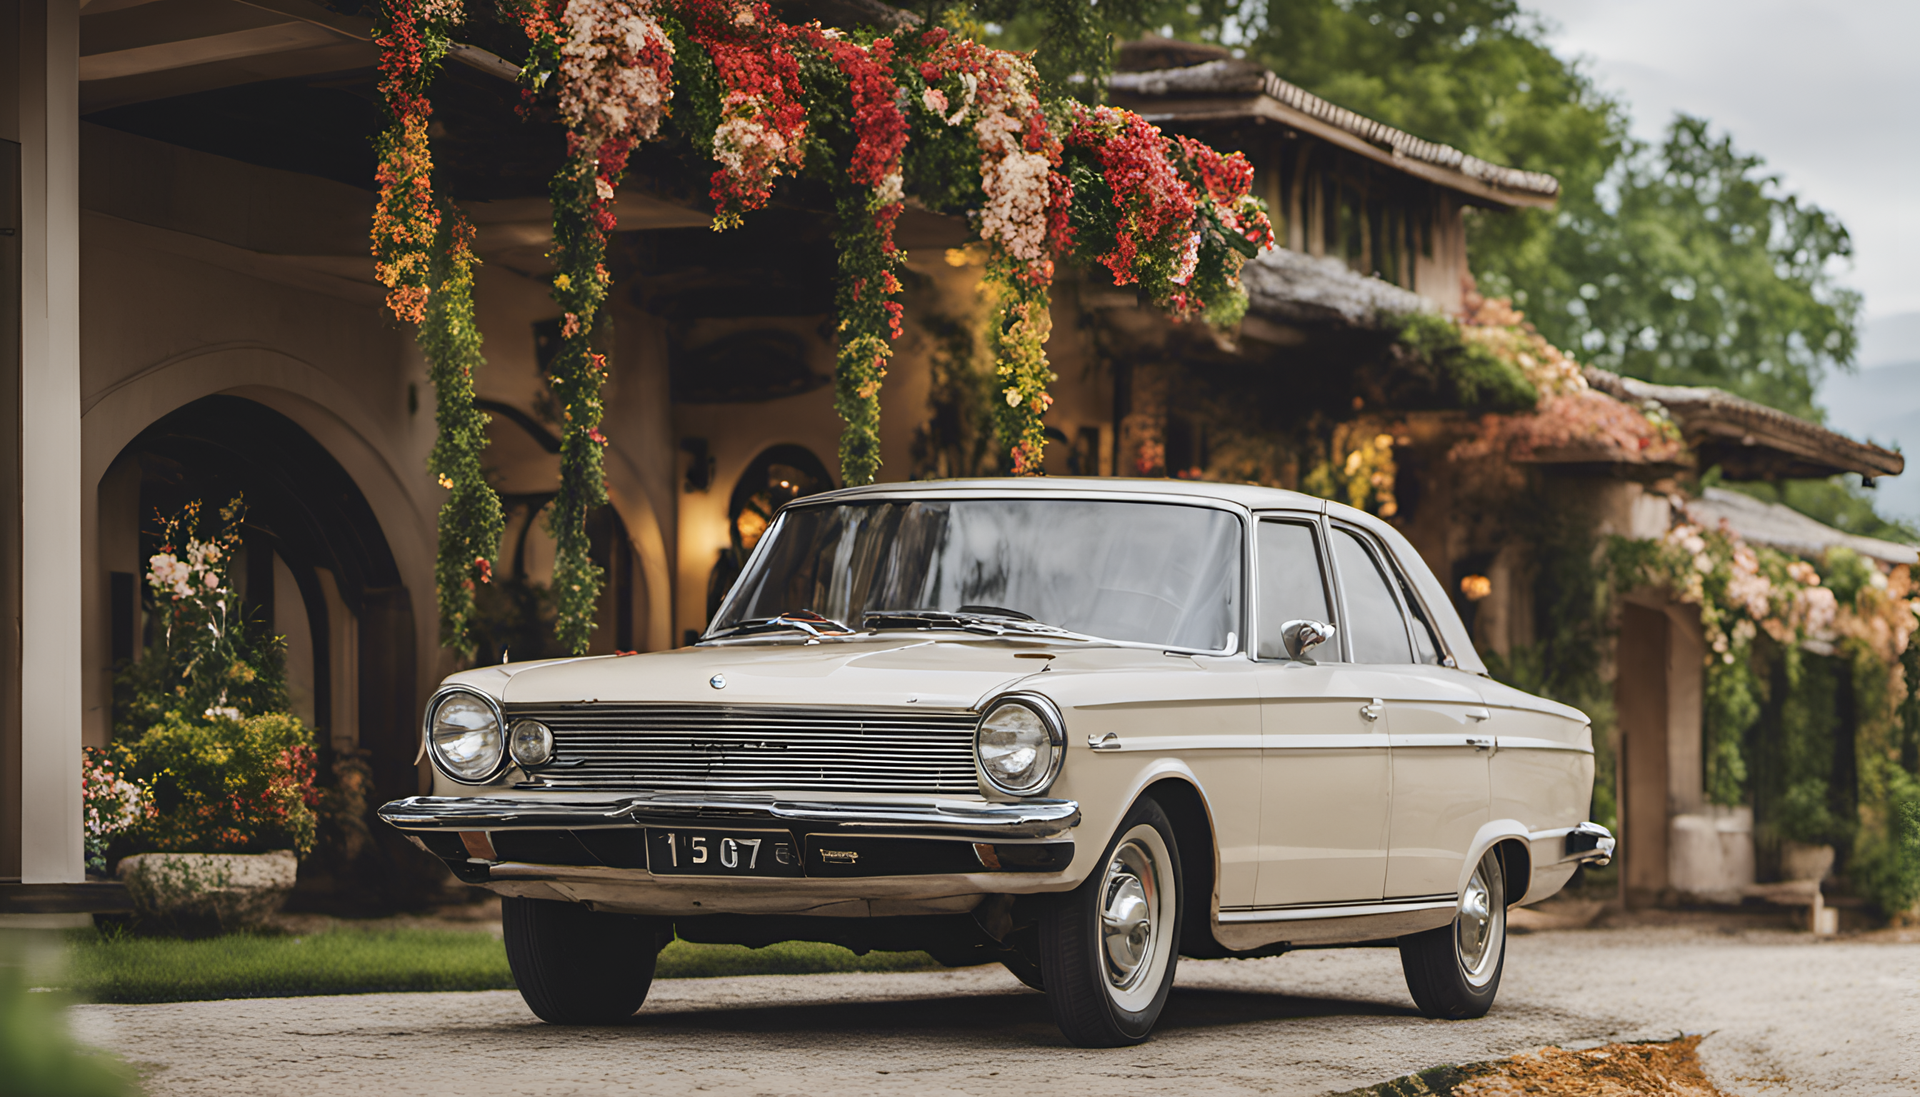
[1881,403]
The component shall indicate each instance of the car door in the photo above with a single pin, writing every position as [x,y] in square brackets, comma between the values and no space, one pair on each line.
[1324,761]
[1436,722]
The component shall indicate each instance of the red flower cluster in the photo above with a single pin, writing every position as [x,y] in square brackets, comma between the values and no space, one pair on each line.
[405,218]
[1228,180]
[1156,205]
[763,121]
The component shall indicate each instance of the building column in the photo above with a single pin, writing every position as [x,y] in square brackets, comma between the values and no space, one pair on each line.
[50,471]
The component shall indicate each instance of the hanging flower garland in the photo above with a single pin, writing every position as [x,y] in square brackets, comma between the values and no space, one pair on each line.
[867,205]
[424,255]
[769,100]
[1023,221]
[412,37]
[612,63]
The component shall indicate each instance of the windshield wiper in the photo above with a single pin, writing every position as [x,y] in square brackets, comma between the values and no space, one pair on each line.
[966,619]
[801,620]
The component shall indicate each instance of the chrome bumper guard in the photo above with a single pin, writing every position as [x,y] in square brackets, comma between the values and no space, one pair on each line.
[949,819]
[1590,844]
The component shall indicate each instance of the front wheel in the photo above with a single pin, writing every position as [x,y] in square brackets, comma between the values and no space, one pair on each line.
[1454,971]
[576,966]
[1108,948]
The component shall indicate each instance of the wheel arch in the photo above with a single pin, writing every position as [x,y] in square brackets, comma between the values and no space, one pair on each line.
[1193,831]
[1507,839]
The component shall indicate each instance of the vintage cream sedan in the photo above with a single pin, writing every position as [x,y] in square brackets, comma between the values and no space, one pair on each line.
[1078,727]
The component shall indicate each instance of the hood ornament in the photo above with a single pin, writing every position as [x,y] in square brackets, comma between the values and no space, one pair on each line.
[718,681]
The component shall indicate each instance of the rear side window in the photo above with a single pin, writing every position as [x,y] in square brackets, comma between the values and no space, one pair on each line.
[1426,639]
[1292,582]
[1376,633]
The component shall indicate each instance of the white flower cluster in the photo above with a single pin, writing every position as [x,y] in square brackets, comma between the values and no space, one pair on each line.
[1014,179]
[1016,210]
[609,87]
[112,805]
[745,146]
[199,573]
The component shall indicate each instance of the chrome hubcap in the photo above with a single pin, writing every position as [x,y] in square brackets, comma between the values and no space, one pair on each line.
[1127,915]
[1479,926]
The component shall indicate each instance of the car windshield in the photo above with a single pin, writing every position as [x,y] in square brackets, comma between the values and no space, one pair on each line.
[1150,573]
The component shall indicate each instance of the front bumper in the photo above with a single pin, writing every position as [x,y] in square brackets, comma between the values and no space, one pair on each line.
[834,839]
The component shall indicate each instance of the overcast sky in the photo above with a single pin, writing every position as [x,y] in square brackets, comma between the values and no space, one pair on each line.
[1828,93]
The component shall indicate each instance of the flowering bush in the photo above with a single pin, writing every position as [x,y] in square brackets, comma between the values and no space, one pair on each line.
[222,785]
[207,659]
[111,805]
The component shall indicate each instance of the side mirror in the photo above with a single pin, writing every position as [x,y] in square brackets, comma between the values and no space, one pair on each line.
[1301,637]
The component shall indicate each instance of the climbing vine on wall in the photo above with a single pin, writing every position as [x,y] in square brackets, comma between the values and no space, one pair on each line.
[1857,610]
[423,254]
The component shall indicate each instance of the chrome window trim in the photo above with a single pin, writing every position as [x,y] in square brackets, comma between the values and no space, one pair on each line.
[1049,713]
[433,751]
[1317,521]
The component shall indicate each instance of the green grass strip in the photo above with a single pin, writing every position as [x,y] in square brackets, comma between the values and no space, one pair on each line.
[349,961]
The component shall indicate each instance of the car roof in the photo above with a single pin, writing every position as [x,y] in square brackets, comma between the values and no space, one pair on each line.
[1251,496]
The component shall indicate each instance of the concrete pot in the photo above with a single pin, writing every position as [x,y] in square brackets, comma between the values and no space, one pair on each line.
[209,892]
[1799,861]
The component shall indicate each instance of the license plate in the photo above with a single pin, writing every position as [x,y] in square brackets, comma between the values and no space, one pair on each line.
[677,852]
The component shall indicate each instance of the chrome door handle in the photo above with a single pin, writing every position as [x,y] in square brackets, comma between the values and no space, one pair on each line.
[1372,712]
[1480,744]
[1479,715]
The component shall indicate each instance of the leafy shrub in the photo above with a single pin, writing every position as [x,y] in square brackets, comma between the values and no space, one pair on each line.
[224,785]
[1886,861]
[1470,375]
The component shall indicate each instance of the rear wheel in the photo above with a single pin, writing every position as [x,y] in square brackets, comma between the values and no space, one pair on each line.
[1108,948]
[577,966]
[1454,971]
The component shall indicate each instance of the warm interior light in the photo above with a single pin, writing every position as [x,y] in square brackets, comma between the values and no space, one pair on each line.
[1476,587]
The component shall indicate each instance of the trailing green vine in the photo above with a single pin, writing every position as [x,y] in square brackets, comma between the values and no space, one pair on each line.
[471,519]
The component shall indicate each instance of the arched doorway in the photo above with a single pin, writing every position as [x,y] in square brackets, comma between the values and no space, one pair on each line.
[314,562]
[778,476]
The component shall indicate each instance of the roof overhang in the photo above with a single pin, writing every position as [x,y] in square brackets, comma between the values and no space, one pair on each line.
[1750,441]
[1228,90]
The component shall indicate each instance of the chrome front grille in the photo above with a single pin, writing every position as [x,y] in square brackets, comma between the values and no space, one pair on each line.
[643,746]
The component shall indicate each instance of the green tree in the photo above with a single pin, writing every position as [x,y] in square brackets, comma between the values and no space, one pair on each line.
[1683,262]
[1693,266]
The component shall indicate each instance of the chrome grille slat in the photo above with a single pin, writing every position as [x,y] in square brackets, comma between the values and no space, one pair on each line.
[692,747]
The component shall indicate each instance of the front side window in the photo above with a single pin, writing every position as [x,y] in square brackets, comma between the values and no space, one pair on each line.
[1293,586]
[1376,633]
[1152,573]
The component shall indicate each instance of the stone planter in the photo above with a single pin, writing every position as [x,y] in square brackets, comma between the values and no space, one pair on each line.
[1799,861]
[196,893]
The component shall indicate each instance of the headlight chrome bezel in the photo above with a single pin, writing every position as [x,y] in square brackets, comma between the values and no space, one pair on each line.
[502,760]
[1050,718]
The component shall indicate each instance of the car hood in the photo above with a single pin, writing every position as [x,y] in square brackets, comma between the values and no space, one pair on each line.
[910,670]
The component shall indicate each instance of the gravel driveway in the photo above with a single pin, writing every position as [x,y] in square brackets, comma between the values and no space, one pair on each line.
[1787,1013]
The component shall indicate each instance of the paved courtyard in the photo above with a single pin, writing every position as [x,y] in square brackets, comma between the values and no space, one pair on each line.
[1787,1014]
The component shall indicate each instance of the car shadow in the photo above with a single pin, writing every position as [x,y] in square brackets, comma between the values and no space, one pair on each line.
[1009,1013]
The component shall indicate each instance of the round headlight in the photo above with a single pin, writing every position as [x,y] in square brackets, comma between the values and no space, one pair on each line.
[1019,748]
[530,742]
[466,738]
